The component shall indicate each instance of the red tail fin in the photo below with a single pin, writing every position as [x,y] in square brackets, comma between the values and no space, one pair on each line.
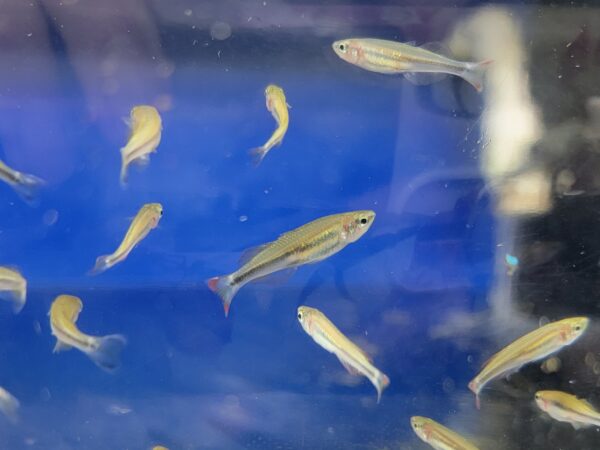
[224,289]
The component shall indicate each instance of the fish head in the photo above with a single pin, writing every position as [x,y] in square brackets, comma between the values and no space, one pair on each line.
[573,328]
[420,426]
[67,306]
[541,400]
[357,223]
[155,210]
[305,314]
[348,49]
[272,90]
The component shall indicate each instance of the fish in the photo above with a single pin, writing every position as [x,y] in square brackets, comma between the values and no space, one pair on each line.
[567,408]
[104,351]
[145,132]
[438,436]
[9,405]
[277,105]
[24,184]
[390,57]
[352,357]
[13,287]
[307,244]
[145,220]
[534,346]
[159,447]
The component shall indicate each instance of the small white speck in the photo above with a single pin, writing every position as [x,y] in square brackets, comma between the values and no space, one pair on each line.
[264,3]
[243,218]
[559,77]
[219,54]
[188,12]
[29,34]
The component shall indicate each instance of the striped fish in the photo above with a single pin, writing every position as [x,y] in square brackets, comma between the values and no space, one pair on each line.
[391,57]
[310,243]
[438,436]
[533,346]
[146,130]
[567,408]
[352,357]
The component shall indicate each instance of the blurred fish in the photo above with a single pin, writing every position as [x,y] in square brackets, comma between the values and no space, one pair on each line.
[391,57]
[159,447]
[278,107]
[534,346]
[9,405]
[567,408]
[146,128]
[352,357]
[307,244]
[438,436]
[13,287]
[24,184]
[104,351]
[145,220]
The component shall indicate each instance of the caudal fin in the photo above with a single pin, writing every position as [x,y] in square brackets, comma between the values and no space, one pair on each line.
[382,381]
[9,405]
[102,263]
[474,73]
[108,353]
[28,186]
[258,154]
[223,287]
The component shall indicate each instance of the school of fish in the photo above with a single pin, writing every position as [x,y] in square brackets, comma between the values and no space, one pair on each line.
[310,243]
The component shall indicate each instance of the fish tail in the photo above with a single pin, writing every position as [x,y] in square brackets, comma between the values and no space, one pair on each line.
[123,176]
[474,73]
[223,286]
[107,354]
[258,154]
[102,263]
[381,382]
[474,387]
[28,186]
[9,406]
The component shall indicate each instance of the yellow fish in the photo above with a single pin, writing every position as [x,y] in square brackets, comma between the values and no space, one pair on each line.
[159,447]
[24,184]
[438,436]
[534,346]
[310,243]
[14,287]
[352,357]
[392,57]
[278,107]
[9,405]
[105,351]
[144,137]
[145,220]
[567,408]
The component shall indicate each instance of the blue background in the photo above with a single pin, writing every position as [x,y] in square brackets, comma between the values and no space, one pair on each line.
[191,378]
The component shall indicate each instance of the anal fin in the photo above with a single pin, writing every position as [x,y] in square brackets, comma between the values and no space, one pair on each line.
[351,370]
[61,347]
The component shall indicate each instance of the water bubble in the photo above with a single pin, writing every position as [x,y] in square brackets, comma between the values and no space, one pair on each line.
[37,327]
[220,31]
[188,12]
[243,218]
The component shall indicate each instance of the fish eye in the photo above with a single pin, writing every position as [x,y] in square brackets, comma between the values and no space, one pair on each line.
[577,327]
[342,47]
[299,316]
[363,221]
[537,396]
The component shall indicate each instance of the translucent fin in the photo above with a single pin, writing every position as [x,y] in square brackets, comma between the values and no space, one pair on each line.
[108,353]
[9,406]
[439,48]
[381,383]
[61,347]
[474,73]
[123,175]
[142,161]
[17,298]
[103,263]
[258,154]
[424,78]
[250,253]
[28,187]
[223,287]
